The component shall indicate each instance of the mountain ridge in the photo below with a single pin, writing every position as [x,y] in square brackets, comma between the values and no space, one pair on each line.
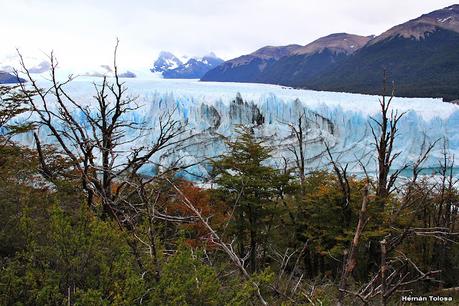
[264,64]
[446,18]
[418,55]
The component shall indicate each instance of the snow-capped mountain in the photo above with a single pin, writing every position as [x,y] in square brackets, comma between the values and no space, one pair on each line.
[171,67]
[166,61]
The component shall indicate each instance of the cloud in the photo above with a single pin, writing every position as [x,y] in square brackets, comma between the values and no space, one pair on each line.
[40,68]
[82,33]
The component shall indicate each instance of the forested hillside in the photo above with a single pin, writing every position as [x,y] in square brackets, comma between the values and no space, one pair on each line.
[422,68]
[419,55]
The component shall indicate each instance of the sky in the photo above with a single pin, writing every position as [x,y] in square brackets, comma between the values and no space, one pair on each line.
[82,33]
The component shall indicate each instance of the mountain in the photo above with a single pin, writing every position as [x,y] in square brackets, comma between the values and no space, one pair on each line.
[288,65]
[248,68]
[335,43]
[166,61]
[194,68]
[446,18]
[7,78]
[420,56]
[308,62]
[171,67]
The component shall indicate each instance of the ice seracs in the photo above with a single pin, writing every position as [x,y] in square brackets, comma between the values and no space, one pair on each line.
[211,111]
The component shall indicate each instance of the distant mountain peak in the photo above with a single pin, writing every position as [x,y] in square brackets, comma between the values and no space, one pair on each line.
[266,53]
[337,42]
[446,18]
[275,52]
[274,64]
[170,66]
[211,55]
[166,61]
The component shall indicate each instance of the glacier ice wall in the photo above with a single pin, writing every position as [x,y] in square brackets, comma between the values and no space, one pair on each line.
[211,111]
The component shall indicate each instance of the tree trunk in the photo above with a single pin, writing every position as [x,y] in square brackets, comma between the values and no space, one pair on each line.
[383,272]
[253,241]
[351,261]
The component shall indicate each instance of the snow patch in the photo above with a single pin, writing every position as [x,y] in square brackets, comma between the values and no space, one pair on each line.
[443,20]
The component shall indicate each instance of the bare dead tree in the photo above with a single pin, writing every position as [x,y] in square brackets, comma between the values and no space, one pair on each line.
[343,181]
[10,104]
[94,138]
[385,131]
[383,271]
[299,132]
[396,271]
[445,209]
[99,141]
[411,196]
[299,149]
[350,260]
[448,209]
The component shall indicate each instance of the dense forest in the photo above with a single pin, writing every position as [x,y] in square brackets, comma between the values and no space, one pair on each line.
[82,224]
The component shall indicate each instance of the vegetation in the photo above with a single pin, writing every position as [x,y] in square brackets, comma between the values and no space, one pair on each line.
[80,230]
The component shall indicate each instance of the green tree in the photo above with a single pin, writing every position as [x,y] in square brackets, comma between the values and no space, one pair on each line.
[76,259]
[187,280]
[245,180]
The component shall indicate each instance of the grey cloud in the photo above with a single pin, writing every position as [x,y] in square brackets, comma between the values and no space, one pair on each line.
[40,68]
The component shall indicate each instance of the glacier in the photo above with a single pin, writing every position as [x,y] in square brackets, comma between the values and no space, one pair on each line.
[212,110]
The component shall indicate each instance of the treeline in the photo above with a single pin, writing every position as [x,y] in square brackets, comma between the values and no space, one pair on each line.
[81,224]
